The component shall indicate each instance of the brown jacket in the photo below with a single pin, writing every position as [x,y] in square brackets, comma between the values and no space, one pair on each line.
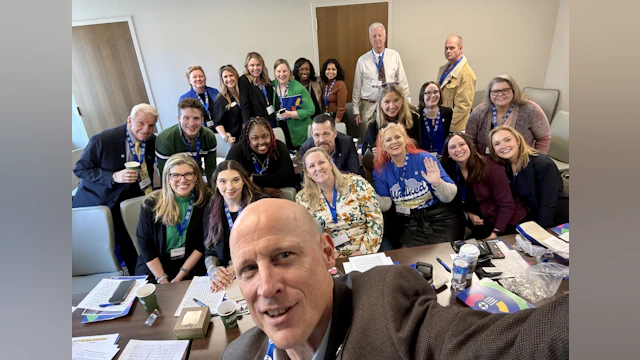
[390,312]
[457,91]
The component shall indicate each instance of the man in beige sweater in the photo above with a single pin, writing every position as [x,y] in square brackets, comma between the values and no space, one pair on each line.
[457,83]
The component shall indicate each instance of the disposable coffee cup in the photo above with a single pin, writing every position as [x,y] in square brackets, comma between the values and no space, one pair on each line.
[470,253]
[147,296]
[132,165]
[228,312]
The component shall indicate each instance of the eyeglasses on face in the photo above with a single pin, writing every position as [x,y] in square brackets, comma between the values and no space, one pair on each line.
[187,176]
[429,94]
[504,91]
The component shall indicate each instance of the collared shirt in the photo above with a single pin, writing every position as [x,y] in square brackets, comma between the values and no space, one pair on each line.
[280,354]
[367,72]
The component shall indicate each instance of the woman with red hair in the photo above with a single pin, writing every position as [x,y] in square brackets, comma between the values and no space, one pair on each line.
[416,184]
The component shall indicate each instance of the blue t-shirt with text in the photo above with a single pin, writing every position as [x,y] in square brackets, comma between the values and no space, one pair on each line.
[418,193]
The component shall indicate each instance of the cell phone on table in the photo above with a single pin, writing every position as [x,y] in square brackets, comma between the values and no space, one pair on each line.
[496,253]
[121,292]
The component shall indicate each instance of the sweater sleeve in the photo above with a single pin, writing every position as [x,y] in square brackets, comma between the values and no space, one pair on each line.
[547,190]
[306,108]
[369,204]
[473,128]
[499,187]
[541,130]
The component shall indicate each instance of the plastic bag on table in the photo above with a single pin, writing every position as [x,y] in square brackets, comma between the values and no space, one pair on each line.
[538,282]
[536,251]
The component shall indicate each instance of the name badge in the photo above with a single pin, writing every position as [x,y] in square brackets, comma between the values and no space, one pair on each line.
[403,210]
[233,104]
[376,83]
[340,239]
[145,183]
[270,110]
[210,123]
[177,253]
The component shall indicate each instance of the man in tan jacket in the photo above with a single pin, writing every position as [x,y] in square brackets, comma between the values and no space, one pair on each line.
[457,83]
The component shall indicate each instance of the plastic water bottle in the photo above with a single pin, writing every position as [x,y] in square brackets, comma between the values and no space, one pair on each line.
[460,270]
[470,253]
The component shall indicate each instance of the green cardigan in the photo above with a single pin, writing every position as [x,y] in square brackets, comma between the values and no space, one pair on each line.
[298,127]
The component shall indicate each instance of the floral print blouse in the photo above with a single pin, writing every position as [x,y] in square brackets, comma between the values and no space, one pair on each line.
[359,216]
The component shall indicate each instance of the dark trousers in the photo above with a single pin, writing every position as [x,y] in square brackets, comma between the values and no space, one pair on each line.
[126,249]
[436,224]
[170,267]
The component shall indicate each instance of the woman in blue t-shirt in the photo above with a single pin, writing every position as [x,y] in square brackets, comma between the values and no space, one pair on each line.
[421,191]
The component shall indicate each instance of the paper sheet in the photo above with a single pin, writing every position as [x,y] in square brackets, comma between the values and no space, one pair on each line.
[102,292]
[363,263]
[73,308]
[565,236]
[557,245]
[89,351]
[200,288]
[154,350]
[110,339]
[511,264]
[233,291]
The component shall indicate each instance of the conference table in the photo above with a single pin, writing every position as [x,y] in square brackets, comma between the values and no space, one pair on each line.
[169,296]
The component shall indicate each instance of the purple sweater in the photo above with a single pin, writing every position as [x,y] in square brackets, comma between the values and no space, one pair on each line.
[529,120]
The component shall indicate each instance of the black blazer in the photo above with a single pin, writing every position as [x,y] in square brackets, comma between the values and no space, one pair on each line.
[345,156]
[231,118]
[446,114]
[152,238]
[280,172]
[103,156]
[252,101]
[371,135]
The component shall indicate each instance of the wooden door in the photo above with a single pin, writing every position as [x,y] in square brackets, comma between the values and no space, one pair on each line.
[106,76]
[343,34]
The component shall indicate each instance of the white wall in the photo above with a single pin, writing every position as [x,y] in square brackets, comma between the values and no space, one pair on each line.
[558,69]
[500,36]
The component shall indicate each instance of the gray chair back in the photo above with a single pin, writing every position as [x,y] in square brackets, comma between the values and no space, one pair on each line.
[546,98]
[130,210]
[478,98]
[341,127]
[93,241]
[559,147]
[279,134]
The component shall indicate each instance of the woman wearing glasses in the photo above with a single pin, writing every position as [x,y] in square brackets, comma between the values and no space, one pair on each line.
[256,92]
[506,105]
[435,119]
[391,108]
[414,182]
[232,191]
[305,74]
[534,178]
[200,90]
[170,226]
[334,95]
[293,121]
[345,205]
[226,108]
[264,157]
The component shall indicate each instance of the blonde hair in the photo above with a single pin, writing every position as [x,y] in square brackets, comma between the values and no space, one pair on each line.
[224,92]
[311,188]
[166,207]
[404,115]
[280,62]
[264,76]
[192,69]
[524,150]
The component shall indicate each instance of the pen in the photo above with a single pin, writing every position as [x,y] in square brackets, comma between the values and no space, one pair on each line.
[109,304]
[199,302]
[443,264]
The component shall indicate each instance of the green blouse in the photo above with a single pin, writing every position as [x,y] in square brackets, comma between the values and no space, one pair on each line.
[175,241]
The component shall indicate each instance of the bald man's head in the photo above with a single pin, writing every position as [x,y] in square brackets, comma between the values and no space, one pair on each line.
[453,48]
[281,260]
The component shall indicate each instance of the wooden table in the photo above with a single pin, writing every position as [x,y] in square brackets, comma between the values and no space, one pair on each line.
[211,347]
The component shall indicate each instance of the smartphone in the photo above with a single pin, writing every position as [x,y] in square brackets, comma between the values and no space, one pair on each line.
[281,111]
[121,292]
[495,250]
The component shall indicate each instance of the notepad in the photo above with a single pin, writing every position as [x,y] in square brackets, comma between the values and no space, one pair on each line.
[154,350]
[363,263]
[200,288]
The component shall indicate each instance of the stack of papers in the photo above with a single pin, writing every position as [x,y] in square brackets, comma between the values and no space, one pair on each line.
[101,293]
[363,263]
[154,350]
[98,347]
[200,288]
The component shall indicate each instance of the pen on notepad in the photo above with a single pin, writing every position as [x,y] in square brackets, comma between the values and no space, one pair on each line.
[443,264]
[199,302]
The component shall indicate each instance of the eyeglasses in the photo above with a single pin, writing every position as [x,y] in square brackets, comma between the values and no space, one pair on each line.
[187,176]
[505,91]
[428,94]
[224,66]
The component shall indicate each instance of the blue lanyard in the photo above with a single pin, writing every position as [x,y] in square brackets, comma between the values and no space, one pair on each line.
[327,93]
[431,131]
[206,100]
[270,349]
[228,213]
[495,116]
[463,189]
[197,147]
[257,167]
[332,207]
[400,177]
[133,148]
[446,73]
[379,63]
[182,227]
[286,91]
[264,92]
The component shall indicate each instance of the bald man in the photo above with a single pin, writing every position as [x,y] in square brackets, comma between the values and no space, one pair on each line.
[281,259]
[457,83]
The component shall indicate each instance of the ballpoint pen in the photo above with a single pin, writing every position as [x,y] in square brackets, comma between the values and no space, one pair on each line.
[443,264]
[110,304]
[199,302]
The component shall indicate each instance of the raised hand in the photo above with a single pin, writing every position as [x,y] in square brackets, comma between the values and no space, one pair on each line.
[433,172]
